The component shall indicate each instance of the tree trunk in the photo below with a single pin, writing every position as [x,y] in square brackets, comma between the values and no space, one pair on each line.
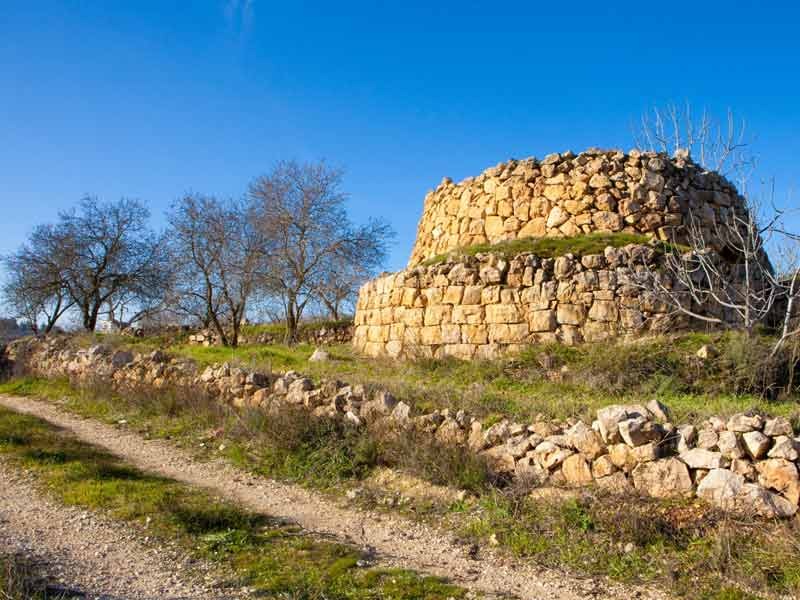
[291,322]
[333,309]
[89,319]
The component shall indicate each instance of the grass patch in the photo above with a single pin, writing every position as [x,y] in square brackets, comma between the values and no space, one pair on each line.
[273,557]
[579,245]
[552,380]
[547,380]
[266,357]
[698,553]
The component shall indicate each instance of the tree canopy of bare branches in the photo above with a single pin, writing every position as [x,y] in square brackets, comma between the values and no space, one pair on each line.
[89,257]
[736,284]
[34,289]
[722,145]
[311,248]
[217,251]
[109,251]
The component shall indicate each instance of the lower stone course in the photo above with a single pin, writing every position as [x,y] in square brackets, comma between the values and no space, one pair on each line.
[488,305]
[747,463]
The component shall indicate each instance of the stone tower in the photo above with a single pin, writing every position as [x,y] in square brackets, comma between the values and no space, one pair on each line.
[472,306]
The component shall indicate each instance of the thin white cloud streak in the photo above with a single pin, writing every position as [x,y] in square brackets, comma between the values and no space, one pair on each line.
[239,15]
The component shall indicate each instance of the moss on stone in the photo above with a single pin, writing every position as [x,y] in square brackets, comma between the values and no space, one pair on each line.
[579,245]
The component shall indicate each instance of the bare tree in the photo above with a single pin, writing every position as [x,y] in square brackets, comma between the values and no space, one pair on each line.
[717,145]
[736,285]
[89,256]
[217,252]
[733,283]
[106,249]
[788,280]
[309,240]
[34,289]
[338,292]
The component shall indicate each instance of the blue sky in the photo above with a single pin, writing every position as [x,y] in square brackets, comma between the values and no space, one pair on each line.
[151,99]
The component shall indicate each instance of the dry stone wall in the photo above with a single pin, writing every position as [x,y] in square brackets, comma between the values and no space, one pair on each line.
[745,463]
[339,332]
[565,195]
[483,306]
[487,305]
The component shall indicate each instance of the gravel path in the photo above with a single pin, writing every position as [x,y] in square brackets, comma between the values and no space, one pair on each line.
[396,540]
[91,555]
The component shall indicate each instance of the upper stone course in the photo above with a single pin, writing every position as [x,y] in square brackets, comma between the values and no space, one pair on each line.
[565,194]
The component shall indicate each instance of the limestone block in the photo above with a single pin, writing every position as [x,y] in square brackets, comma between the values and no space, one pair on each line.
[410,296]
[599,181]
[431,335]
[509,296]
[397,331]
[604,310]
[488,352]
[387,315]
[490,294]
[506,333]
[576,470]
[453,294]
[556,217]
[555,192]
[471,314]
[542,320]
[451,333]
[412,336]
[433,295]
[630,318]
[664,478]
[502,313]
[472,294]
[780,475]
[394,348]
[570,314]
[437,314]
[476,334]
[607,221]
[414,317]
[494,227]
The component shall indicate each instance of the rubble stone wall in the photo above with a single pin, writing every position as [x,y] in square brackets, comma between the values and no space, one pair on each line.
[339,332]
[565,195]
[487,305]
[449,304]
[745,463]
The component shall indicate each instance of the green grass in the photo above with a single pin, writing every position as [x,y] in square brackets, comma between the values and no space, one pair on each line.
[521,388]
[695,552]
[580,245]
[595,375]
[275,558]
[273,357]
[684,547]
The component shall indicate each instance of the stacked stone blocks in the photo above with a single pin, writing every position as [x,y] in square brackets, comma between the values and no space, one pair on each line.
[566,195]
[447,303]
